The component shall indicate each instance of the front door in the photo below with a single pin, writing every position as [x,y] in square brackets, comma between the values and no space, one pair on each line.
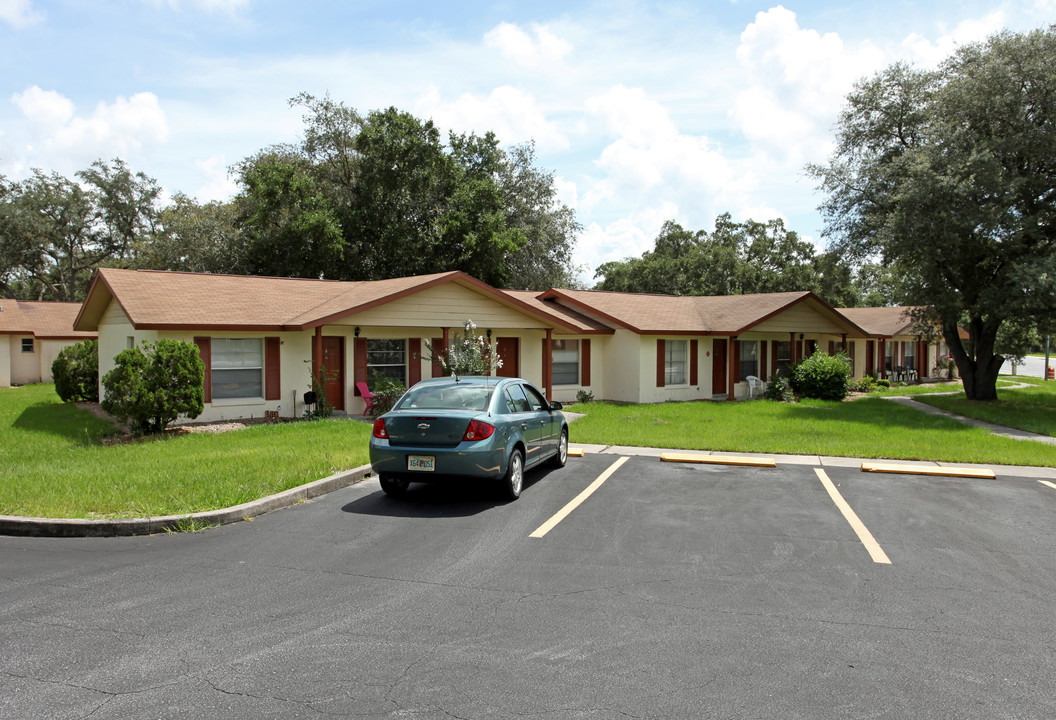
[718,367]
[334,365]
[509,349]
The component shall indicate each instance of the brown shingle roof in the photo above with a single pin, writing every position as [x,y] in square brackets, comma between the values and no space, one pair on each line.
[155,299]
[881,321]
[578,323]
[670,314]
[40,319]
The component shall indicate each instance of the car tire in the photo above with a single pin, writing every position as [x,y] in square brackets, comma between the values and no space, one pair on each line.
[514,479]
[561,457]
[393,487]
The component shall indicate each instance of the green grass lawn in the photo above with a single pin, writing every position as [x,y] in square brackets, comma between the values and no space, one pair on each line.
[1031,408]
[869,427]
[53,462]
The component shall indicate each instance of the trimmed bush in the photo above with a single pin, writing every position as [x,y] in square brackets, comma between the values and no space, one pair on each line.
[779,389]
[386,392]
[149,388]
[822,376]
[76,372]
[867,383]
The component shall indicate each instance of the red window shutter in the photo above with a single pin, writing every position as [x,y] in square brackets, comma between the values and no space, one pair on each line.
[692,362]
[414,361]
[271,368]
[661,346]
[439,347]
[762,359]
[359,363]
[205,352]
[736,361]
[832,347]
[584,362]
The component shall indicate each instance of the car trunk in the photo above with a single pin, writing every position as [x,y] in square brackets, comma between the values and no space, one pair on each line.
[434,429]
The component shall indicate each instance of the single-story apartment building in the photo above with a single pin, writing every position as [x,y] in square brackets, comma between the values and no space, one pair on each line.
[261,338]
[32,334]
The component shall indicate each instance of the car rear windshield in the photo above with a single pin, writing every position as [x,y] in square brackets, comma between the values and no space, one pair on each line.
[447,397]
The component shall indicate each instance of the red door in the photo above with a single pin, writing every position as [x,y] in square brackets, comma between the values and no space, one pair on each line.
[334,365]
[509,349]
[718,367]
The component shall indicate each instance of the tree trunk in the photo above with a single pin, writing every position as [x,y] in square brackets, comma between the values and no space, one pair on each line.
[978,369]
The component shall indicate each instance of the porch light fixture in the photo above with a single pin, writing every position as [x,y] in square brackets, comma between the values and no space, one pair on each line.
[357,331]
[489,333]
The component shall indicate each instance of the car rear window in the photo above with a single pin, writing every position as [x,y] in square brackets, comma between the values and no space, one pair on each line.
[447,397]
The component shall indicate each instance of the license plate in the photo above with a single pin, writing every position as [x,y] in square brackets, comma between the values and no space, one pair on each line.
[421,463]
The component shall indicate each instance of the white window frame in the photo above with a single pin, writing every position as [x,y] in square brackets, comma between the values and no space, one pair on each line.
[676,370]
[232,352]
[560,355]
[28,345]
[740,367]
[387,368]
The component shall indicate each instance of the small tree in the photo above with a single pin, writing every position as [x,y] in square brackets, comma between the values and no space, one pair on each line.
[386,391]
[76,372]
[323,408]
[150,388]
[470,354]
[822,376]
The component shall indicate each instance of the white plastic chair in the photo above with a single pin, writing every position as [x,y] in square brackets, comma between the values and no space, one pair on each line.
[753,383]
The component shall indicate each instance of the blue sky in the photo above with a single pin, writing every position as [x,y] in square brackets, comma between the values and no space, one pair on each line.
[645,112]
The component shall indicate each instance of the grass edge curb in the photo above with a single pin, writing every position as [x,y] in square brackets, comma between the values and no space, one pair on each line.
[84,527]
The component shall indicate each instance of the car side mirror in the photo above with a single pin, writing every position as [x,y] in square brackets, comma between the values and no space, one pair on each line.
[555,405]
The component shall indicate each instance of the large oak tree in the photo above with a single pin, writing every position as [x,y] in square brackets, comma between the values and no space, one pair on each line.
[948,177]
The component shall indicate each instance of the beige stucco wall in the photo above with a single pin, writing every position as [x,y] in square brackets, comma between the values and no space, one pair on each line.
[448,305]
[25,366]
[5,361]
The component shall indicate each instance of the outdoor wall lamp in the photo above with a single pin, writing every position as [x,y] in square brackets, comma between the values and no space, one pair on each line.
[489,333]
[357,331]
[801,336]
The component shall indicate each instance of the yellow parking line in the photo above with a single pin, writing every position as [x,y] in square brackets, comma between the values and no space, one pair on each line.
[578,500]
[1046,482]
[871,545]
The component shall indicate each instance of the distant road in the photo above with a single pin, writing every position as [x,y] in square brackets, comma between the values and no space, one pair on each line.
[1031,367]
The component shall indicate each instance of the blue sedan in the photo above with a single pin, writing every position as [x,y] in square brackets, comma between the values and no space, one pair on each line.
[475,427]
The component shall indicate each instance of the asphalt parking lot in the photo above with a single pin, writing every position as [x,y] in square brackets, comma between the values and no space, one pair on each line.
[671,591]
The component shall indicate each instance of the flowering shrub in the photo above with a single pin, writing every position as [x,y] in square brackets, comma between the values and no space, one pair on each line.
[470,354]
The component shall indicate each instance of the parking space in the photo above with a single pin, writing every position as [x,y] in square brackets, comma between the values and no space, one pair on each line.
[670,590]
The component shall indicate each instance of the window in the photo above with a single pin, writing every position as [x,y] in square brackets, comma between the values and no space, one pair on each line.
[910,359]
[783,353]
[887,356]
[675,354]
[565,354]
[388,358]
[537,401]
[130,342]
[27,345]
[515,400]
[749,358]
[237,367]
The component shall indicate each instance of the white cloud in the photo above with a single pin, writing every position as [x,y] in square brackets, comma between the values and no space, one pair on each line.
[64,140]
[46,110]
[229,7]
[19,13]
[511,113]
[544,50]
[798,79]
[925,52]
[219,184]
[650,153]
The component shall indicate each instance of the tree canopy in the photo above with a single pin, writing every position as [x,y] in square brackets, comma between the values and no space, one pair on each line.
[948,178]
[733,259]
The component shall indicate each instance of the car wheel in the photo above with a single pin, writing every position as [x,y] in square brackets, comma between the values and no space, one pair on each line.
[394,487]
[562,451]
[514,479]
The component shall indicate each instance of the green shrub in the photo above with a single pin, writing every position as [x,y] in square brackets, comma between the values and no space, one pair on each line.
[322,408]
[822,376]
[149,388]
[866,383]
[584,396]
[386,392]
[76,372]
[883,383]
[779,389]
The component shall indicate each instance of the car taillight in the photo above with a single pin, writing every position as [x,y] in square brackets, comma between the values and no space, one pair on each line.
[478,430]
[379,429]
